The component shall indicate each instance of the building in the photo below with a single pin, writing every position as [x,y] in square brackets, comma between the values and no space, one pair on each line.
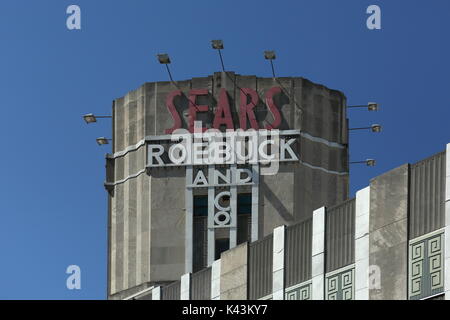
[160,223]
[281,227]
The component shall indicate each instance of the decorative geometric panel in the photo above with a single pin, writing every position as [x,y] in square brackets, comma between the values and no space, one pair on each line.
[339,284]
[298,292]
[426,277]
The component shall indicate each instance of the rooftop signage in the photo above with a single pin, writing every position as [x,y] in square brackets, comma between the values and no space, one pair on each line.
[213,147]
[223,142]
[249,99]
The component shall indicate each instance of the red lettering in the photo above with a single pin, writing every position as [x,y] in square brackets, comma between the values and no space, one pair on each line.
[246,109]
[273,108]
[223,113]
[248,101]
[173,111]
[194,108]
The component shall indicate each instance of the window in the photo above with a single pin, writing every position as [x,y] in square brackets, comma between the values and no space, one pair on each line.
[222,245]
[200,249]
[244,216]
[200,229]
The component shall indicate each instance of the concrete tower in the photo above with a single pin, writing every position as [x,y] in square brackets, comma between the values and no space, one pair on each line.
[169,218]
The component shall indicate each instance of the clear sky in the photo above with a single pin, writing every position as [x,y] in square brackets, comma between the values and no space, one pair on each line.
[53,205]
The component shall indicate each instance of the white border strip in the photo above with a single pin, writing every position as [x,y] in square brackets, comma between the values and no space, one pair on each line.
[126,150]
[156,293]
[215,280]
[426,236]
[318,255]
[222,185]
[340,270]
[322,140]
[343,173]
[299,285]
[169,137]
[278,263]
[362,223]
[185,287]
[125,179]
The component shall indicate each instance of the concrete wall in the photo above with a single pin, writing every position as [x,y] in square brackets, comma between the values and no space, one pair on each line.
[233,273]
[297,190]
[129,218]
[167,224]
[388,238]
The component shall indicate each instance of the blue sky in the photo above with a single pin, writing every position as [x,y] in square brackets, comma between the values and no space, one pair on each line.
[53,205]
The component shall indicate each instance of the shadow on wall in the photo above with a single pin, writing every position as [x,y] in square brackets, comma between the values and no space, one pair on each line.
[276,203]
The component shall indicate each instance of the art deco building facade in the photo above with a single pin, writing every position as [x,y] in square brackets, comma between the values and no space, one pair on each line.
[167,219]
[390,242]
[240,230]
